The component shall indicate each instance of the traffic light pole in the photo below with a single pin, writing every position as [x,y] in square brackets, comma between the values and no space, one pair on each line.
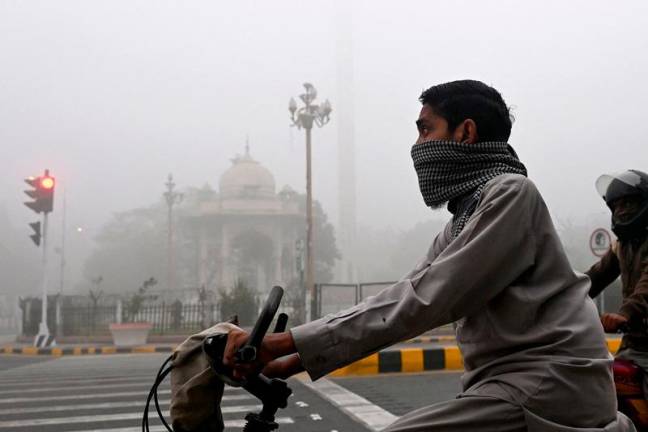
[43,330]
[43,196]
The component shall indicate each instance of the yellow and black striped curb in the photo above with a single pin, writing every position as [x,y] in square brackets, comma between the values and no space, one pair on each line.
[405,360]
[402,360]
[61,351]
[418,360]
[428,339]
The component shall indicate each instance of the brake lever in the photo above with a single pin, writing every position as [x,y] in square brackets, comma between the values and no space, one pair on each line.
[282,322]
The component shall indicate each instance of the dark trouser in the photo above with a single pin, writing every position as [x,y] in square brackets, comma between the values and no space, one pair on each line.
[640,358]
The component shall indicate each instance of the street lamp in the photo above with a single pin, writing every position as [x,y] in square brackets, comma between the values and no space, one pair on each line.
[304,117]
[172,198]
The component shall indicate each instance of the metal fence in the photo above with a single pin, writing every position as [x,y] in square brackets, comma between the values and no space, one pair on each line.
[369,289]
[335,297]
[174,317]
[32,314]
[94,320]
[9,314]
[332,298]
[179,318]
[85,320]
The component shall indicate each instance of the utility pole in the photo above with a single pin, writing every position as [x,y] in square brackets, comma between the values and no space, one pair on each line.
[63,263]
[346,233]
[304,118]
[172,198]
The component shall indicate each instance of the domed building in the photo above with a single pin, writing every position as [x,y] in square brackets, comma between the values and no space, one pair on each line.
[247,230]
[246,179]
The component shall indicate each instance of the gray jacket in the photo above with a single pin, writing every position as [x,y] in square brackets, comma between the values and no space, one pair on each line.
[528,331]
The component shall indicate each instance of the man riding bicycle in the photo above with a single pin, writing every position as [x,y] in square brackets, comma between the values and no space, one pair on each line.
[533,348]
[626,194]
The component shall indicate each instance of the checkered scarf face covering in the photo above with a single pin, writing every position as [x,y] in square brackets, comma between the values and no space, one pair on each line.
[447,170]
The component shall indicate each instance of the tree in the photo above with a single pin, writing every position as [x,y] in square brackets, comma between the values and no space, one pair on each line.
[131,247]
[205,298]
[96,293]
[294,299]
[325,250]
[135,302]
[241,301]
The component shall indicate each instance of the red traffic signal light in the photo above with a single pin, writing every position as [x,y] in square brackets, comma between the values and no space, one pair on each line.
[46,182]
[43,193]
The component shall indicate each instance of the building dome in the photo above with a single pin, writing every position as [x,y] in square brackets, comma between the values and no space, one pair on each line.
[246,179]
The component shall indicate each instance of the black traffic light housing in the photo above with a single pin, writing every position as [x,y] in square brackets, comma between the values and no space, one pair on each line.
[42,193]
[36,237]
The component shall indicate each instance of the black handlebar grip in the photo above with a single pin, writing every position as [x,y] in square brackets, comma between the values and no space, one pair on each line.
[282,322]
[247,353]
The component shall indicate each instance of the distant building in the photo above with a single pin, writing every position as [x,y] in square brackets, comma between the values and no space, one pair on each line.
[247,230]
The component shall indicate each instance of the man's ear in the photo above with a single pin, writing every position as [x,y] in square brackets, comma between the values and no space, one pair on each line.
[466,132]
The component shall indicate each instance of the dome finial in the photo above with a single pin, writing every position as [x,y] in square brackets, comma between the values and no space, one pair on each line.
[247,145]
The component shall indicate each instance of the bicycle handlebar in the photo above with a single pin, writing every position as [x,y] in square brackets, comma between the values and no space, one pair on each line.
[248,352]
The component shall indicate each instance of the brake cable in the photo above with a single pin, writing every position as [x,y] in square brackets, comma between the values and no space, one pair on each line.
[162,373]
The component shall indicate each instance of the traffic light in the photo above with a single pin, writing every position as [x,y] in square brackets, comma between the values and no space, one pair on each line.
[36,237]
[42,193]
[34,194]
[46,187]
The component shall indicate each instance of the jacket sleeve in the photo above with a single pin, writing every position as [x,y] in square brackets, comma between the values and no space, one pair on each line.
[494,249]
[635,306]
[603,273]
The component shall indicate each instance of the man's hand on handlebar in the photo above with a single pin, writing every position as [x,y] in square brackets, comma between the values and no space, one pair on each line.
[283,367]
[274,346]
[613,322]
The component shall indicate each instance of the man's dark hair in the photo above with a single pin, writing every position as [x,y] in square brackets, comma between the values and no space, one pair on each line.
[457,101]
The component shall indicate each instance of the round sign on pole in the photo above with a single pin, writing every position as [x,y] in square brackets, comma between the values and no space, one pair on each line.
[600,242]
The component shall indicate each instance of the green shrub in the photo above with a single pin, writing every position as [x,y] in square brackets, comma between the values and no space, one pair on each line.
[242,301]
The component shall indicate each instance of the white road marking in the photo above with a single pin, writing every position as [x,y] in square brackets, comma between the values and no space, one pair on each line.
[228,424]
[356,406]
[105,405]
[144,394]
[74,397]
[27,381]
[92,387]
[107,417]
[301,404]
[315,417]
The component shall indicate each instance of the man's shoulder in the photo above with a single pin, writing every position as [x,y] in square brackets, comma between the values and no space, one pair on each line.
[513,192]
[510,184]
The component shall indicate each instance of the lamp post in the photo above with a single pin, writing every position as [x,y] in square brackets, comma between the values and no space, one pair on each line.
[172,197]
[305,117]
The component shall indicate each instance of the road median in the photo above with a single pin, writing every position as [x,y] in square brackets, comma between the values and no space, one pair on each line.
[84,350]
[402,359]
[413,360]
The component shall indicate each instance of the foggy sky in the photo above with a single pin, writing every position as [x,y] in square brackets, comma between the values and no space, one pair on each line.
[111,96]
